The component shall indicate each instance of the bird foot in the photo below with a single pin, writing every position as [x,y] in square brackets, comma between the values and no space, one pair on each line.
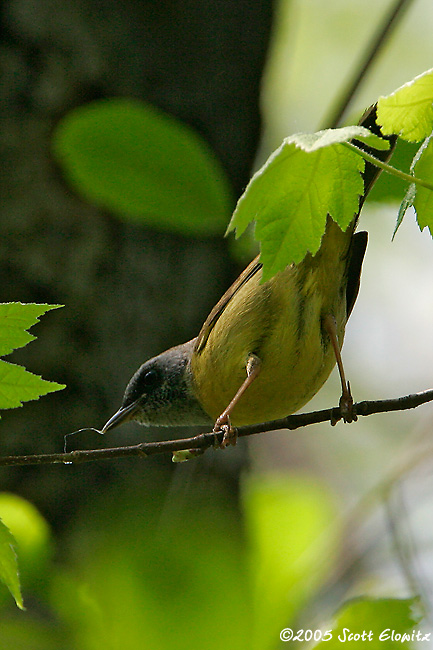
[346,406]
[230,433]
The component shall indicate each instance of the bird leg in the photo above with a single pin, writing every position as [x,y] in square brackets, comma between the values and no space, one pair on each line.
[346,400]
[222,422]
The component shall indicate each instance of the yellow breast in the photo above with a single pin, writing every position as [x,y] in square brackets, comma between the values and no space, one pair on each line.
[280,321]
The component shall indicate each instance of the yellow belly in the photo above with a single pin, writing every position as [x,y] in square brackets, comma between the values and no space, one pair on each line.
[280,321]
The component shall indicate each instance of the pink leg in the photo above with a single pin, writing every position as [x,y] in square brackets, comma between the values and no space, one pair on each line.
[346,400]
[223,421]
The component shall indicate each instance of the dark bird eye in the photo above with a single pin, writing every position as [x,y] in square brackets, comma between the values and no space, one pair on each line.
[142,383]
[150,378]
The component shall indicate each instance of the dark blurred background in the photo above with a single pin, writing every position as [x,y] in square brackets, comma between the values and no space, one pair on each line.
[129,292]
[222,551]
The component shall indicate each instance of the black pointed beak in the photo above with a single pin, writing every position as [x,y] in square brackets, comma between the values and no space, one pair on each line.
[124,414]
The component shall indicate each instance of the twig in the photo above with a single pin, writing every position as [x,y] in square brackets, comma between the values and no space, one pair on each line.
[384,31]
[198,444]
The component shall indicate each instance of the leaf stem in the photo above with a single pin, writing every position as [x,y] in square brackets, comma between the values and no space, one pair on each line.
[388,168]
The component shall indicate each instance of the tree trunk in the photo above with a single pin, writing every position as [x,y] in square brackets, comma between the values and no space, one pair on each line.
[129,292]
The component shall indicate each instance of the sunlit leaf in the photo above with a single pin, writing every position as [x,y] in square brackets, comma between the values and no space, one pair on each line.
[17,385]
[306,178]
[329,137]
[407,203]
[408,111]
[423,202]
[15,319]
[143,165]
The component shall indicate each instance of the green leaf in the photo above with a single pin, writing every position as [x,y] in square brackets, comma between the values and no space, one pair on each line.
[373,622]
[308,177]
[407,202]
[17,385]
[423,202]
[291,541]
[144,166]
[15,319]
[31,533]
[328,137]
[408,111]
[8,565]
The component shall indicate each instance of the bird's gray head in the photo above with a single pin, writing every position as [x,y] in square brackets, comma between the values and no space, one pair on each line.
[160,393]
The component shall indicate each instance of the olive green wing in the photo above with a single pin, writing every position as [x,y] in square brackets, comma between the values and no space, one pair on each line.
[251,270]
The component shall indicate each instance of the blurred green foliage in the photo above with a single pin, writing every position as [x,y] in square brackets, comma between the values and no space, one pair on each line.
[292,536]
[8,564]
[142,164]
[365,623]
[192,573]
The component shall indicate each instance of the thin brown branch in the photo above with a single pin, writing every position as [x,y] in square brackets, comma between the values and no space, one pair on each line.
[368,57]
[198,444]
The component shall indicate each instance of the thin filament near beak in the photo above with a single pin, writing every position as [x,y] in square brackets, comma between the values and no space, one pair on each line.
[124,414]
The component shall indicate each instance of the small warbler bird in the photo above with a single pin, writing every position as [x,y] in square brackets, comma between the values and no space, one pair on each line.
[267,347]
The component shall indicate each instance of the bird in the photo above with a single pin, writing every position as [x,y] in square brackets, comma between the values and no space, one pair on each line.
[266,348]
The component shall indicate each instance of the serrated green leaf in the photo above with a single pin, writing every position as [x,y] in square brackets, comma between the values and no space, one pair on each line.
[326,138]
[407,203]
[292,194]
[15,319]
[8,565]
[373,621]
[17,385]
[423,202]
[143,165]
[408,111]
